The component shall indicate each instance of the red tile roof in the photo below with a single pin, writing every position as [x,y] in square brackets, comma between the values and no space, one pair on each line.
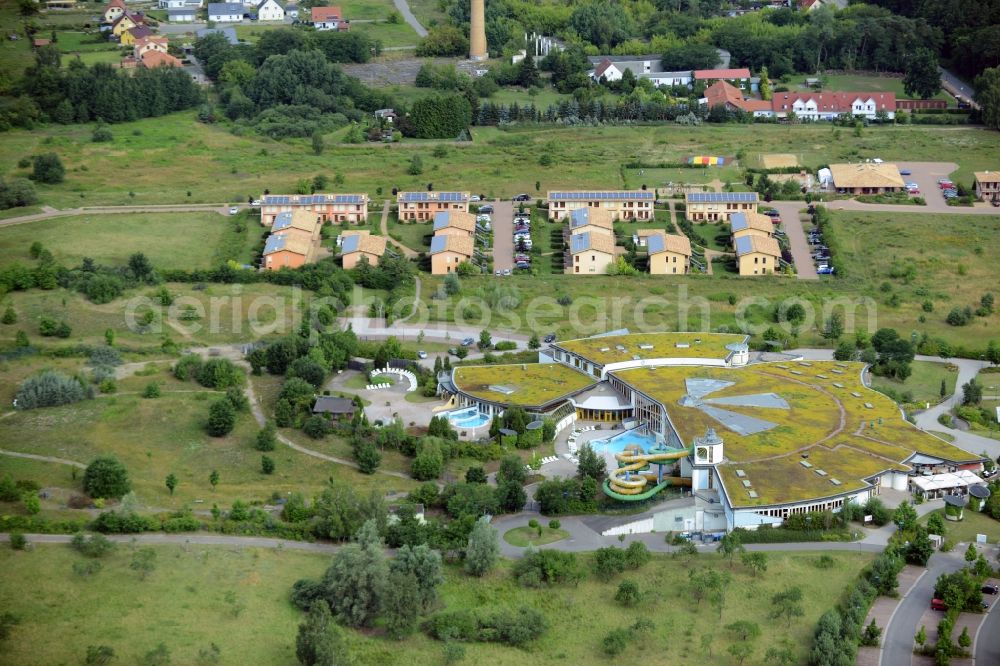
[115,3]
[723,93]
[835,102]
[603,67]
[729,74]
[151,59]
[320,14]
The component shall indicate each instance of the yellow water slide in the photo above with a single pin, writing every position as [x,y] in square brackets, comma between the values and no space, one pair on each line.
[633,462]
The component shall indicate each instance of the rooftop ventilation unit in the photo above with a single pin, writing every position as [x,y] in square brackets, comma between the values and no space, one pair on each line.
[604,349]
[501,388]
[821,472]
[636,357]
[682,345]
[740,473]
[746,483]
[645,346]
[620,348]
[836,482]
[753,494]
[805,463]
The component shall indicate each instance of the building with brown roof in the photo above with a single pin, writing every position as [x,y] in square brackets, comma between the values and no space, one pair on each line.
[448,251]
[113,10]
[622,204]
[987,184]
[591,252]
[286,250]
[589,219]
[669,254]
[126,22]
[757,255]
[299,223]
[830,105]
[129,37]
[423,206]
[727,95]
[751,224]
[455,222]
[150,43]
[329,18]
[151,59]
[351,208]
[740,76]
[358,245]
[866,178]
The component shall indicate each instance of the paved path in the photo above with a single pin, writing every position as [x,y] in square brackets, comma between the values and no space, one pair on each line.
[883,610]
[194,539]
[407,252]
[897,645]
[805,269]
[958,88]
[987,637]
[851,204]
[403,8]
[221,209]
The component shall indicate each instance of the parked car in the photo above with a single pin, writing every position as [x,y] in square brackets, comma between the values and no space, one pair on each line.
[914,190]
[904,172]
[877,160]
[938,605]
[421,354]
[468,342]
[771,212]
[234,210]
[520,256]
[483,217]
[506,271]
[474,198]
[522,197]
[498,272]
[990,588]
[996,202]
[551,337]
[523,265]
[453,351]
[828,270]
[945,184]
[488,209]
[255,203]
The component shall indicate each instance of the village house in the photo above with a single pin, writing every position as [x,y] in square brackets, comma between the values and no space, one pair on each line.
[866,178]
[270,10]
[329,18]
[180,4]
[641,236]
[228,33]
[422,206]
[358,245]
[352,208]
[591,253]
[757,255]
[154,59]
[299,222]
[612,68]
[830,105]
[286,250]
[622,204]
[225,12]
[448,251]
[715,206]
[454,222]
[669,254]
[150,43]
[590,219]
[126,22]
[132,35]
[751,224]
[987,185]
[731,97]
[113,11]
[333,407]
[740,77]
[183,15]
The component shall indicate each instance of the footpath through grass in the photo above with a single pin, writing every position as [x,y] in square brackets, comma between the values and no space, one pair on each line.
[191,599]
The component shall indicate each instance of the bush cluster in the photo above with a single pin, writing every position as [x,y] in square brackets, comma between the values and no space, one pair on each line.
[515,627]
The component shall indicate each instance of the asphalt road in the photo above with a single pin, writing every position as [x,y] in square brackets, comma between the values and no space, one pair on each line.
[799,245]
[503,235]
[403,8]
[897,647]
[988,638]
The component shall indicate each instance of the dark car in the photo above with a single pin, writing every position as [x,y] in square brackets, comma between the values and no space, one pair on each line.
[551,337]
[468,342]
[523,265]
[904,172]
[990,588]
[522,197]
[486,210]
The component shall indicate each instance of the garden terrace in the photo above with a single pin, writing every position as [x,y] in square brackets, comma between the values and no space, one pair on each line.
[604,350]
[530,385]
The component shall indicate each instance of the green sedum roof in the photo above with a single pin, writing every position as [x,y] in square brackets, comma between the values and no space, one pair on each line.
[603,350]
[524,385]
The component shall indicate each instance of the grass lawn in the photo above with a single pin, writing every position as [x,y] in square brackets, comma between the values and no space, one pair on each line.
[545,97]
[392,461]
[78,42]
[390,34]
[229,314]
[972,524]
[711,236]
[110,57]
[941,259]
[188,592]
[169,240]
[654,177]
[925,382]
[414,235]
[528,536]
[19,211]
[367,9]
[156,437]
[427,12]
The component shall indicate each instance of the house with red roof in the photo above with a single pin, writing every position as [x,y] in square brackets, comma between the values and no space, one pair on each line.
[329,18]
[153,59]
[740,77]
[114,11]
[731,97]
[830,105]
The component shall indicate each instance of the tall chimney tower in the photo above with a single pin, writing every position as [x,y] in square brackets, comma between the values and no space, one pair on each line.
[477,31]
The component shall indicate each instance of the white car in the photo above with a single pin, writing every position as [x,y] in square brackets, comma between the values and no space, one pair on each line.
[234,210]
[255,203]
[474,197]
[421,354]
[877,160]
[483,218]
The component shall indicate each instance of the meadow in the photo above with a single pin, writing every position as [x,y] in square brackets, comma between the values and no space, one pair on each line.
[189,601]
[175,159]
[925,382]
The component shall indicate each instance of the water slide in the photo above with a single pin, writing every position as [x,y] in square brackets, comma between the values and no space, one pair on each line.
[628,484]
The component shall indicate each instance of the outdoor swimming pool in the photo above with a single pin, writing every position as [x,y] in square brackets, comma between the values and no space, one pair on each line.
[470,417]
[618,443]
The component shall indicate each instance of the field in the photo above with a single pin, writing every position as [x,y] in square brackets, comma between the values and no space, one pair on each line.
[973,523]
[390,34]
[169,240]
[943,260]
[174,155]
[194,589]
[924,383]
[862,83]
[227,314]
[355,10]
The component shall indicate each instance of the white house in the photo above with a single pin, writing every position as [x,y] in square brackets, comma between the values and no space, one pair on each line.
[225,12]
[830,105]
[645,67]
[270,10]
[180,4]
[184,15]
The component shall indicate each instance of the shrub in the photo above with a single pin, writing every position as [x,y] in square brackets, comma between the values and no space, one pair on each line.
[18,541]
[48,168]
[106,477]
[96,545]
[547,567]
[315,426]
[49,389]
[628,593]
[510,627]
[152,390]
[187,367]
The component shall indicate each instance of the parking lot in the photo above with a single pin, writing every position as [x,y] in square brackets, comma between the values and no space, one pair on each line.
[926,176]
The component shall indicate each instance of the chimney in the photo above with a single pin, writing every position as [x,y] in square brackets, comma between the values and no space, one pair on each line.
[477,31]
